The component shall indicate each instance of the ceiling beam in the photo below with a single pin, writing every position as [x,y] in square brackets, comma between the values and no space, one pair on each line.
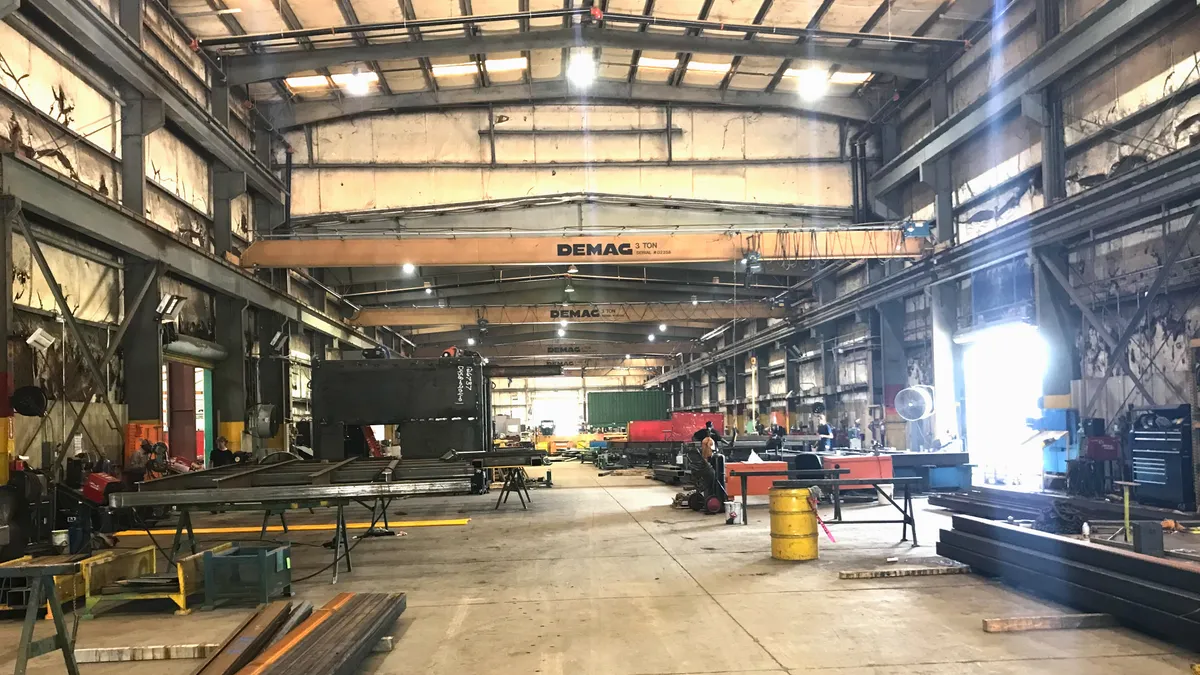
[559,91]
[798,244]
[520,315]
[551,290]
[1084,39]
[572,349]
[244,69]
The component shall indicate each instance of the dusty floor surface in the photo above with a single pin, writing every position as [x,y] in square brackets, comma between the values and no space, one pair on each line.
[602,576]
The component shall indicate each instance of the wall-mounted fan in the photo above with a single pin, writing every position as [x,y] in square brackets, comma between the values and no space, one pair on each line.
[915,403]
[260,422]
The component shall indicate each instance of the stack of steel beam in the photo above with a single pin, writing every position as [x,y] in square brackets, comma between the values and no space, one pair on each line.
[1158,596]
[1000,503]
[335,639]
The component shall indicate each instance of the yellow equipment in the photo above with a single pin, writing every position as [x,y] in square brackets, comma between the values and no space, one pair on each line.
[793,524]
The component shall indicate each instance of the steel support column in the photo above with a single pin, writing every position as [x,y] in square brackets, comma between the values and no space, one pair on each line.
[142,346]
[1057,322]
[129,17]
[891,351]
[226,186]
[139,117]
[947,362]
[9,212]
[229,375]
[273,374]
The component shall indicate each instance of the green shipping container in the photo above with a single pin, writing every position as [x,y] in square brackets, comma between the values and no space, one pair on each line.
[619,408]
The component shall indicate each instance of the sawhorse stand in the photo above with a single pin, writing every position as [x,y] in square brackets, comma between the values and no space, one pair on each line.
[41,591]
[515,481]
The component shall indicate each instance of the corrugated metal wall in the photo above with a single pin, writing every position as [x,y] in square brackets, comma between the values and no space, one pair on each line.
[618,408]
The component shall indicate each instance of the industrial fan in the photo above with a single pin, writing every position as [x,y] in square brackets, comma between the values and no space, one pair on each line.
[260,421]
[915,403]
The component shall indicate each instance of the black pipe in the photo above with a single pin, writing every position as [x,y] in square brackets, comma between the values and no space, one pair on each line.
[855,205]
[864,198]
[287,200]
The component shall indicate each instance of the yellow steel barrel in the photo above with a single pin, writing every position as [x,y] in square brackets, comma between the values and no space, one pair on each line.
[793,525]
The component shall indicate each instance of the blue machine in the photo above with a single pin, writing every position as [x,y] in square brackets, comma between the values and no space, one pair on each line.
[1056,453]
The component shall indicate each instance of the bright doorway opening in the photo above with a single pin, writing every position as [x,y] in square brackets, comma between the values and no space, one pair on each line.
[1002,373]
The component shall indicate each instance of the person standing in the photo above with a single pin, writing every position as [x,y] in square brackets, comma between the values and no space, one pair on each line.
[222,455]
[825,435]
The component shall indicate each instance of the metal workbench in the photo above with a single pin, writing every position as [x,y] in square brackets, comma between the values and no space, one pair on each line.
[277,487]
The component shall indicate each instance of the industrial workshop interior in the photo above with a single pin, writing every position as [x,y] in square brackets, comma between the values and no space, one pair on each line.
[605,337]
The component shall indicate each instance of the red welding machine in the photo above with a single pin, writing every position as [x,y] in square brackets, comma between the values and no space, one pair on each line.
[98,486]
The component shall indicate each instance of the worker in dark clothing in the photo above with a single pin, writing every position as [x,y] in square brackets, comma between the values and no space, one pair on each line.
[222,455]
[707,432]
[825,432]
[775,439]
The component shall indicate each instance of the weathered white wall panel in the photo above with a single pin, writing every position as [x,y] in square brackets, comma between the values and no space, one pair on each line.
[332,190]
[92,289]
[36,78]
[985,63]
[1156,72]
[989,160]
[172,50]
[176,168]
[454,137]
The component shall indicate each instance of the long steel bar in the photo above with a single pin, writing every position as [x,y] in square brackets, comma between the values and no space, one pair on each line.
[64,308]
[288,494]
[1174,249]
[1061,277]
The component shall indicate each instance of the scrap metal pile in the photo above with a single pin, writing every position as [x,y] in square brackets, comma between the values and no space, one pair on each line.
[1158,596]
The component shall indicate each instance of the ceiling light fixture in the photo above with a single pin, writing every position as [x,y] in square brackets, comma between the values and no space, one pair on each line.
[812,83]
[356,83]
[663,64]
[626,356]
[845,77]
[428,288]
[662,327]
[569,288]
[563,323]
[470,342]
[306,82]
[581,69]
[572,269]
[650,337]
[408,268]
[702,67]
[562,333]
[505,65]
[695,301]
[453,69]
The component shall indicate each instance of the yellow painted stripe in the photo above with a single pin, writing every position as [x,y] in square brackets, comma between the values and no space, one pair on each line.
[300,528]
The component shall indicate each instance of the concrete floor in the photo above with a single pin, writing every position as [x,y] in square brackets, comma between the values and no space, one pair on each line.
[602,576]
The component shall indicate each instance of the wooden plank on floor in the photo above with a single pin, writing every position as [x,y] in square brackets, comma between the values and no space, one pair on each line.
[905,572]
[1019,624]
[145,653]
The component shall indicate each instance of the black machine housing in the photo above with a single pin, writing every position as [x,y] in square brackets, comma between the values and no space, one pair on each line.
[438,405]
